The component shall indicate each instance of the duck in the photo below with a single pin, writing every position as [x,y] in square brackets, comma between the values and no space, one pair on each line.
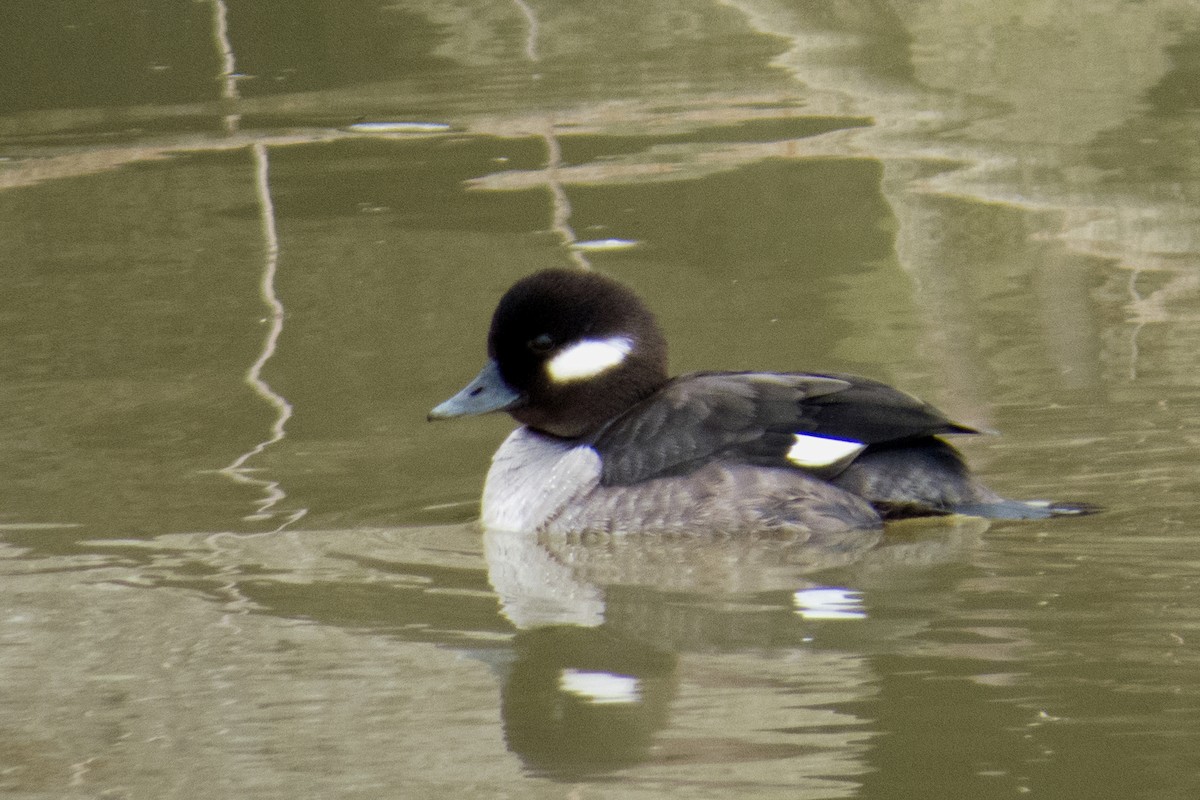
[609,442]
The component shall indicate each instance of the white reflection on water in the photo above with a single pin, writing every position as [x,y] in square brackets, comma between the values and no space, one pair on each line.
[238,471]
[829,603]
[398,127]
[272,493]
[600,687]
[228,74]
[598,245]
[531,35]
[560,204]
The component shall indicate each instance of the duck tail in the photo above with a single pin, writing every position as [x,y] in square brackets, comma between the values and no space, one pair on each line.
[1025,509]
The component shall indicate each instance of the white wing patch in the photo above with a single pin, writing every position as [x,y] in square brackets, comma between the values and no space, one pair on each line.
[818,451]
[588,358]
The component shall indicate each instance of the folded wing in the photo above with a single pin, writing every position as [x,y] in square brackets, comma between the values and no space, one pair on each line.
[815,423]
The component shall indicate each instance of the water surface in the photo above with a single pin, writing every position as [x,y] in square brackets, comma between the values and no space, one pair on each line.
[244,253]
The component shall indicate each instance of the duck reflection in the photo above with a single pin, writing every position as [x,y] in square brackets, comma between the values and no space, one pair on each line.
[585,700]
[606,625]
[565,578]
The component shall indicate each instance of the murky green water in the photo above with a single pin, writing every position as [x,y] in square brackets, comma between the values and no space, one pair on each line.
[236,562]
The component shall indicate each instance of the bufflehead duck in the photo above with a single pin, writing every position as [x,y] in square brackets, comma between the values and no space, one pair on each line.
[609,442]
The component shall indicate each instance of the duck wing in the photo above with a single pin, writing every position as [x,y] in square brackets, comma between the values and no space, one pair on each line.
[815,423]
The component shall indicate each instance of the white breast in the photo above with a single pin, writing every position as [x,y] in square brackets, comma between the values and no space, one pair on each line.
[533,477]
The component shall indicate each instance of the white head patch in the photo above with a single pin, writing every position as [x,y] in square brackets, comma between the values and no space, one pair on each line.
[588,358]
[817,451]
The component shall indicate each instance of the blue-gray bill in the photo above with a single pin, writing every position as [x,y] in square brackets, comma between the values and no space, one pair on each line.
[486,393]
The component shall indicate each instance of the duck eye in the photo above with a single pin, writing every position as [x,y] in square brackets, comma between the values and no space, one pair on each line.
[542,343]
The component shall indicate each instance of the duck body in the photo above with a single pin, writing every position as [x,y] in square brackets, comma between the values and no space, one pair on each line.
[610,443]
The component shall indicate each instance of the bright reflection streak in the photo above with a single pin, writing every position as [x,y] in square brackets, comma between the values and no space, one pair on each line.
[829,603]
[531,35]
[228,75]
[560,205]
[238,470]
[600,687]
[600,245]
[398,126]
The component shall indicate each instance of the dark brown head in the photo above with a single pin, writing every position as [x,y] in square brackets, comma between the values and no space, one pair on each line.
[568,351]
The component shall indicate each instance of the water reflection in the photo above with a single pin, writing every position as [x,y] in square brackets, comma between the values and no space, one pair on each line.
[604,620]
[582,701]
[636,685]
[994,207]
[238,471]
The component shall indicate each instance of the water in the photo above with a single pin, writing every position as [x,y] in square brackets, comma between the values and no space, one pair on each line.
[243,255]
